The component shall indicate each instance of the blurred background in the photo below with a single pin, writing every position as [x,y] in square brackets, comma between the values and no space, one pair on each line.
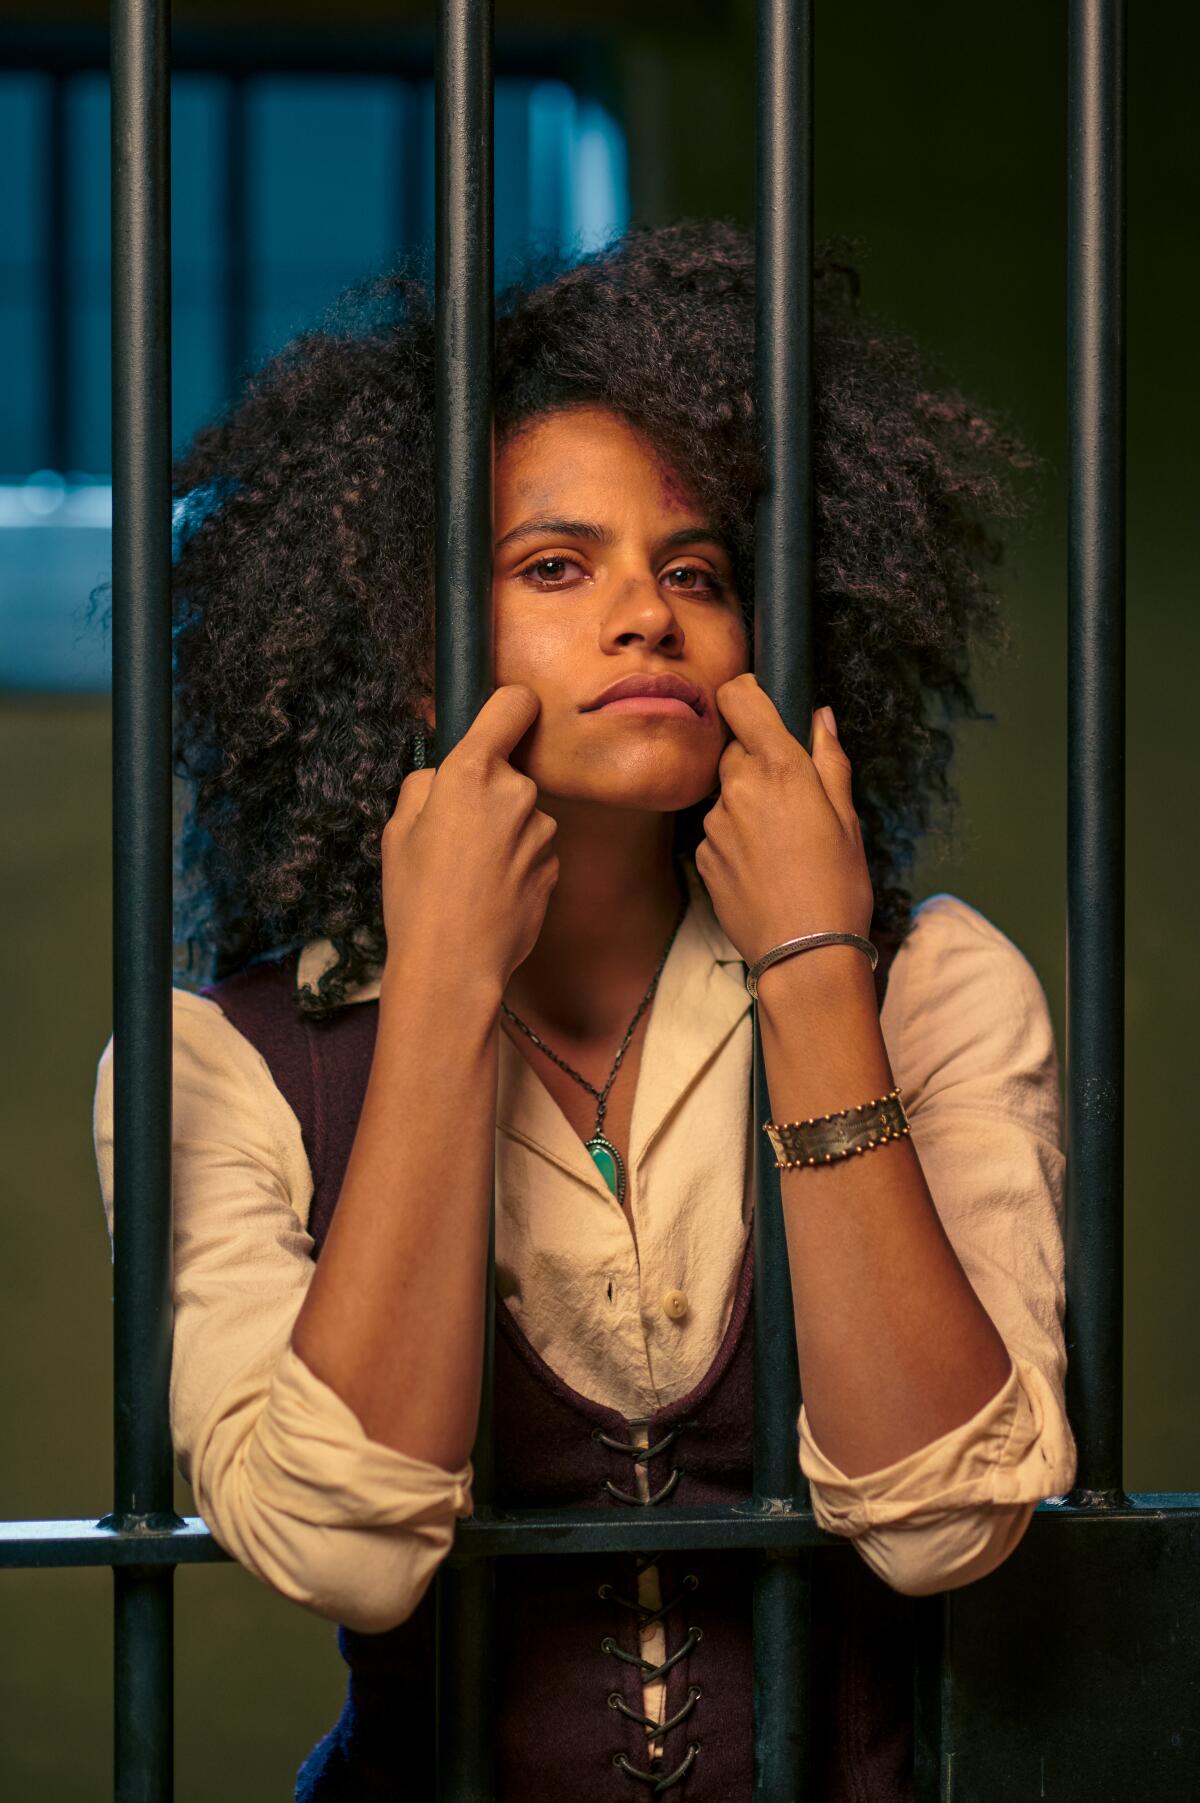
[303,160]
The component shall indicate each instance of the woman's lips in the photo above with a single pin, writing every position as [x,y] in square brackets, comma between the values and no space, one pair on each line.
[648,704]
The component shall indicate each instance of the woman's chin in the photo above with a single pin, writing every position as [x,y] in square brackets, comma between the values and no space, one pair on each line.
[645,797]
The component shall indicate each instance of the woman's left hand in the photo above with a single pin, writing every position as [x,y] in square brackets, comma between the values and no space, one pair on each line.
[783,852]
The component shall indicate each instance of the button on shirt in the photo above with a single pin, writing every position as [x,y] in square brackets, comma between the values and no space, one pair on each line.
[282,1471]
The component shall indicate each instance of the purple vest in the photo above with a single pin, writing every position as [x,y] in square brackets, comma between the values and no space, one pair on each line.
[568,1704]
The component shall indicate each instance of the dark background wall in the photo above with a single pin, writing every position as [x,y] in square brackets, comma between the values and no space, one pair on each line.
[941,143]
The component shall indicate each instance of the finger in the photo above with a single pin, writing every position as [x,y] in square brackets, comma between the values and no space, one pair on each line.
[832,764]
[735,756]
[414,793]
[753,716]
[503,720]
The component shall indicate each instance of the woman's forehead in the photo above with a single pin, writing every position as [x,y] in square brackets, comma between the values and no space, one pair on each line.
[586,452]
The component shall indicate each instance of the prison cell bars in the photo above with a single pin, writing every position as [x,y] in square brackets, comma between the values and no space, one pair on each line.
[142,1540]
[464,284]
[142,946]
[1096,740]
[783,665]
[463,277]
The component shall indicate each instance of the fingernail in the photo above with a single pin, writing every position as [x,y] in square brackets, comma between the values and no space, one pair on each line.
[828,721]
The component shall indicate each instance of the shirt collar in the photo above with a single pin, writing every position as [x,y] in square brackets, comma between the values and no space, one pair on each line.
[700,1000]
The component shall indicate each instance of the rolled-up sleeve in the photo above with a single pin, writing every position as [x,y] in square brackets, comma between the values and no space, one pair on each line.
[283,1473]
[971,1044]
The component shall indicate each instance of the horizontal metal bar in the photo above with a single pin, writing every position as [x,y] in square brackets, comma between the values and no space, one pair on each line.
[54,1543]
[25,1544]
[713,1527]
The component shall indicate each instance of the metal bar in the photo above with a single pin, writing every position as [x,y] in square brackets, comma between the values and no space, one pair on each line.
[933,1690]
[141,546]
[1096,735]
[143,1684]
[93,1543]
[28,1545]
[783,665]
[464,325]
[462,683]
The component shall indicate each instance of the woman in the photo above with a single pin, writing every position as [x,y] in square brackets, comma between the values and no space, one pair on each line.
[547,939]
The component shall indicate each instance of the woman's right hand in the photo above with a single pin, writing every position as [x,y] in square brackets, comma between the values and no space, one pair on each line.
[468,858]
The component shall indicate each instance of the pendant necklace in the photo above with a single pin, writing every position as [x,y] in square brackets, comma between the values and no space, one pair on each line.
[605,1155]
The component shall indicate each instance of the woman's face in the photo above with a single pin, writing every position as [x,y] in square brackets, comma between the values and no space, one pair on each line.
[604,568]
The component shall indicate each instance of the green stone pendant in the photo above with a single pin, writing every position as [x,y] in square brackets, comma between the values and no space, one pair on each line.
[609,1163]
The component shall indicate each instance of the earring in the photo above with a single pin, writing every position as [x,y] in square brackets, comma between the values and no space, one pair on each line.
[416,730]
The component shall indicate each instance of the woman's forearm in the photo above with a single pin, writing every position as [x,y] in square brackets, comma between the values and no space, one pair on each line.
[895,1348]
[393,1319]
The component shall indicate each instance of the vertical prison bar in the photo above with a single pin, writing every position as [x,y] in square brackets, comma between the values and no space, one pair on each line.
[462,683]
[1096,735]
[141,401]
[783,665]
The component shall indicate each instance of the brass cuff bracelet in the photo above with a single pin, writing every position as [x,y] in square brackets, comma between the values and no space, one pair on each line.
[831,1136]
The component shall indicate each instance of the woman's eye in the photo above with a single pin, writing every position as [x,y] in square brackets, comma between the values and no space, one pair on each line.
[687,576]
[548,572]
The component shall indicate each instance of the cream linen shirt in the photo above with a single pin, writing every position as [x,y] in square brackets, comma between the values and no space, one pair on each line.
[293,1488]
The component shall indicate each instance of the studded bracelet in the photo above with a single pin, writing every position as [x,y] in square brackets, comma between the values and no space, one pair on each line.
[827,1137]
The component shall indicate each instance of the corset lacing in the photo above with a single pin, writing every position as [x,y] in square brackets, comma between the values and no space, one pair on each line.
[641,1455]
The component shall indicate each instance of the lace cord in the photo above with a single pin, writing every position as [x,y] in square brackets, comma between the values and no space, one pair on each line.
[660,1784]
[647,1617]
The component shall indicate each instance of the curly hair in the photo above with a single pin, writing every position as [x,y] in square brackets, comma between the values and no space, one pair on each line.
[303,573]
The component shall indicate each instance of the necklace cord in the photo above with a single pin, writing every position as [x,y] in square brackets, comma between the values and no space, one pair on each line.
[602,1094]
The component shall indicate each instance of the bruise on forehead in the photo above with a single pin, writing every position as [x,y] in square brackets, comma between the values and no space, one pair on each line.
[673,491]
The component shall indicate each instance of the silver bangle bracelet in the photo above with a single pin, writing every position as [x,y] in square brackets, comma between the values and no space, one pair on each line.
[806,943]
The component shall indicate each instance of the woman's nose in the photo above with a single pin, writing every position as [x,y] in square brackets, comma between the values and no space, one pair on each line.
[644,612]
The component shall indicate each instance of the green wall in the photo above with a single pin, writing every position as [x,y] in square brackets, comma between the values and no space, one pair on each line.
[941,141]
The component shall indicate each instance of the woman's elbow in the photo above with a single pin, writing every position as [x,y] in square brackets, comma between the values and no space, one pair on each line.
[368,1578]
[923,1558]
[374,1594]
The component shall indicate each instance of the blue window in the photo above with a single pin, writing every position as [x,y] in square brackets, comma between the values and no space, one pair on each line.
[284,190]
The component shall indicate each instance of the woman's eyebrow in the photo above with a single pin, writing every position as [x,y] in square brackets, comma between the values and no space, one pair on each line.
[550,526]
[693,535]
